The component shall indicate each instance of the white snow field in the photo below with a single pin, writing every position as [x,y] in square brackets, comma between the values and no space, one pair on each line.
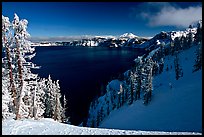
[47,126]
[171,109]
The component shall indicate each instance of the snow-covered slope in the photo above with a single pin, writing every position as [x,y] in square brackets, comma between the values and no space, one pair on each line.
[48,126]
[171,109]
[165,37]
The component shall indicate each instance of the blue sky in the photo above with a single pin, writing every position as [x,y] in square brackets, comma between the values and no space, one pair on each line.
[53,19]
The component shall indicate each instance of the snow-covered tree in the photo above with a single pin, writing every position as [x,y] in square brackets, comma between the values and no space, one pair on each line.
[53,105]
[40,94]
[138,87]
[7,46]
[198,41]
[130,91]
[58,110]
[146,83]
[190,39]
[177,45]
[6,98]
[65,119]
[122,96]
[198,61]
[49,98]
[178,69]
[198,35]
[24,93]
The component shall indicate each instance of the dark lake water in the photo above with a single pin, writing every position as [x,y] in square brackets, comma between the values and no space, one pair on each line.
[81,71]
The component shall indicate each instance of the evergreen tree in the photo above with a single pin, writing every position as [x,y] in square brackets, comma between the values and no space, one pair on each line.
[198,35]
[198,61]
[138,88]
[58,110]
[6,98]
[190,39]
[49,98]
[65,119]
[185,43]
[177,45]
[6,43]
[16,45]
[130,93]
[40,95]
[122,98]
[178,69]
[147,81]
[182,42]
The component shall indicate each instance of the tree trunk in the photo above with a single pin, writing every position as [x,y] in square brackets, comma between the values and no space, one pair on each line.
[12,86]
[34,103]
[56,107]
[20,80]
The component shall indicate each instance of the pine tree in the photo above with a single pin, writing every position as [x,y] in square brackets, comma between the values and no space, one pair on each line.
[147,81]
[16,45]
[198,61]
[49,98]
[138,88]
[40,95]
[190,39]
[178,69]
[130,93]
[177,44]
[64,117]
[185,43]
[122,99]
[6,98]
[6,43]
[58,106]
[198,35]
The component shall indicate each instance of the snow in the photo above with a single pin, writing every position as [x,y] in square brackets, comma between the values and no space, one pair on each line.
[128,35]
[47,126]
[152,53]
[171,109]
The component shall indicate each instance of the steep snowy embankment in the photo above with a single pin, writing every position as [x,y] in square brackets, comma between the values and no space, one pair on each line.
[172,109]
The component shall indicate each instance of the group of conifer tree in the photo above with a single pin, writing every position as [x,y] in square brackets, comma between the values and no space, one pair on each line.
[24,94]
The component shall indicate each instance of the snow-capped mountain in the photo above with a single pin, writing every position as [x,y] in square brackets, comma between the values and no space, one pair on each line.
[128,35]
[125,40]
[131,40]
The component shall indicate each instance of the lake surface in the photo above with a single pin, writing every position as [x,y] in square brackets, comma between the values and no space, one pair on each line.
[81,71]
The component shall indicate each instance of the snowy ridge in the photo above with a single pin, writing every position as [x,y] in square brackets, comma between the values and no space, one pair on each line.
[48,126]
[181,96]
[165,37]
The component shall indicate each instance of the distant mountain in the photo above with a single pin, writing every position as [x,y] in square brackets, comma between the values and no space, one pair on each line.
[125,40]
[129,39]
[128,35]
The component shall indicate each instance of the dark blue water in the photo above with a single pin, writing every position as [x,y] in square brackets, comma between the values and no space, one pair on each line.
[81,72]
